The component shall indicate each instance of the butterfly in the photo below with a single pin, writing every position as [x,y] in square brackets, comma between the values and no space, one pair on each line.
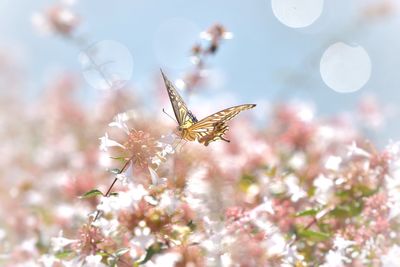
[207,130]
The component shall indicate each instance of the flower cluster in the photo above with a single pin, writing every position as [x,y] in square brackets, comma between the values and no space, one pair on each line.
[301,191]
[57,19]
[113,188]
[212,39]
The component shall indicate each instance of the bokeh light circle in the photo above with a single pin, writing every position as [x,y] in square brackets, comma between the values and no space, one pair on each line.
[345,68]
[173,41]
[106,65]
[297,13]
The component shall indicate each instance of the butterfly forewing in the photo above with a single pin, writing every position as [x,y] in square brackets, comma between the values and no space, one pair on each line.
[182,113]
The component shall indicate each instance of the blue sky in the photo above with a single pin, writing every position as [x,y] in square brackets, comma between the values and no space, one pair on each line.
[256,65]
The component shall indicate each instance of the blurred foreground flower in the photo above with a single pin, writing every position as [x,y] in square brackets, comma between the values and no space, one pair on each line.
[57,19]
[299,191]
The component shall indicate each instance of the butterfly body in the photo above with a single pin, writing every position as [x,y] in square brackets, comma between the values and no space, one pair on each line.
[207,130]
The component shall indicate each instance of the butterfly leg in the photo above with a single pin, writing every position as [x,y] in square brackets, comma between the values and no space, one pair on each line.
[183,146]
[177,144]
[224,139]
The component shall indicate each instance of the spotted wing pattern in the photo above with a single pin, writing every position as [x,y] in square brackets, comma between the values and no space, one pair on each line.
[183,115]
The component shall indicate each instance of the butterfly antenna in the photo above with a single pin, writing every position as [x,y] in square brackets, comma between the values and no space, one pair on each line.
[169,115]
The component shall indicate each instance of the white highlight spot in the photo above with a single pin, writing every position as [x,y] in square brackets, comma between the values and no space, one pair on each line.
[297,13]
[345,68]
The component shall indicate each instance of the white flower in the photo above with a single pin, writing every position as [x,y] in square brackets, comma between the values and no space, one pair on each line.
[322,183]
[227,35]
[394,205]
[29,245]
[65,211]
[108,227]
[206,36]
[226,260]
[2,234]
[341,244]
[393,147]
[104,159]
[333,163]
[166,149]
[296,192]
[143,237]
[122,178]
[276,244]
[155,179]
[265,206]
[106,143]
[123,200]
[292,257]
[58,243]
[297,161]
[323,187]
[354,150]
[392,182]
[305,112]
[391,258]
[94,261]
[168,202]
[156,161]
[197,190]
[119,122]
[48,260]
[30,263]
[72,263]
[164,260]
[66,16]
[334,259]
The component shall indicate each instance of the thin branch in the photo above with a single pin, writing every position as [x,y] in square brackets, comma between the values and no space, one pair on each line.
[112,185]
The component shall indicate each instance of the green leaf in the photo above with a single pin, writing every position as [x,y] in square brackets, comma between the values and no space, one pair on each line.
[92,193]
[115,171]
[122,159]
[310,212]
[348,210]
[151,251]
[112,261]
[64,254]
[313,235]
[114,194]
[103,254]
[365,190]
[343,194]
[121,251]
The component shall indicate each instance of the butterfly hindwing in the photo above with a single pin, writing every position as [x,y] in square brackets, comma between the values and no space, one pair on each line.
[213,127]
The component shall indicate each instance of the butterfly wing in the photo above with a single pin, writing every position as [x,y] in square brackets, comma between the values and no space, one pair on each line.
[213,127]
[182,113]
